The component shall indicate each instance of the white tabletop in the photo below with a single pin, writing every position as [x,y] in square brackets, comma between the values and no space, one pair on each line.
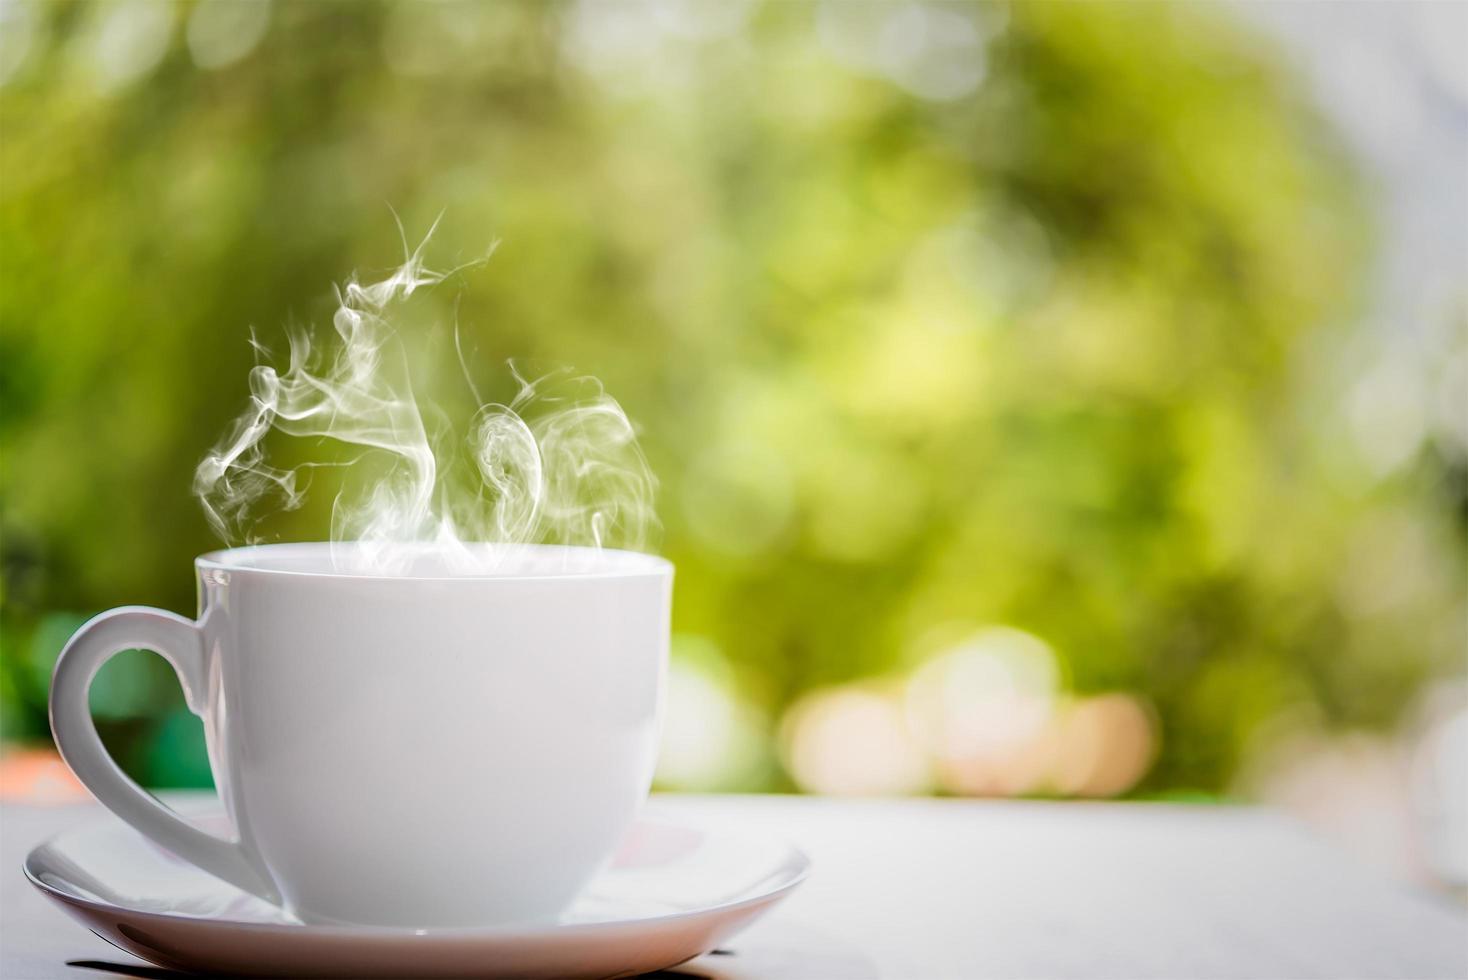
[951,889]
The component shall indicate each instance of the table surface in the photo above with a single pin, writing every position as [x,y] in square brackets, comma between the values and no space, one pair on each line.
[951,888]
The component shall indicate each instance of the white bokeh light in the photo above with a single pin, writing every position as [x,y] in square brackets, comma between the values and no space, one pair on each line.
[1388,412]
[985,696]
[123,42]
[222,32]
[712,738]
[20,31]
[934,51]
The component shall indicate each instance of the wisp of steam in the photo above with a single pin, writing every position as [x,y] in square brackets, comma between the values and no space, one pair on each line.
[557,463]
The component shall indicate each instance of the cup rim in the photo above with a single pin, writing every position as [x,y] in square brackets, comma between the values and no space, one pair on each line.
[605,563]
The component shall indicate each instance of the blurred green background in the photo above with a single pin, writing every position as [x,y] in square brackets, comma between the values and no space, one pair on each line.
[990,357]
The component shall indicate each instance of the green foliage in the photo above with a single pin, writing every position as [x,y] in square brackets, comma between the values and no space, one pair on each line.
[1043,355]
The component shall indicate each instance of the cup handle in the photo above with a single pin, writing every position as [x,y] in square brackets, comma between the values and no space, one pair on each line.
[180,642]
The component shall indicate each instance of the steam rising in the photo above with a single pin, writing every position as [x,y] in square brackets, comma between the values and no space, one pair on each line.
[559,463]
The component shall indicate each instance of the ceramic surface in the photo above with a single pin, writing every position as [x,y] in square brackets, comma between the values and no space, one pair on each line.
[420,750]
[671,893]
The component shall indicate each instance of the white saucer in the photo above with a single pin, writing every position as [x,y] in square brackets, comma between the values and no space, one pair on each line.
[672,893]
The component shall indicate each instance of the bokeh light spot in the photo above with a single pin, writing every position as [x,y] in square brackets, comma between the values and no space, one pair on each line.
[123,42]
[853,741]
[222,32]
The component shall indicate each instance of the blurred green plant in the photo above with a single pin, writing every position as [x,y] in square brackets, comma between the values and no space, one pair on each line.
[933,317]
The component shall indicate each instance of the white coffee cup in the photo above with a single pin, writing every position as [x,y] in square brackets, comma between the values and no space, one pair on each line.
[425,749]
